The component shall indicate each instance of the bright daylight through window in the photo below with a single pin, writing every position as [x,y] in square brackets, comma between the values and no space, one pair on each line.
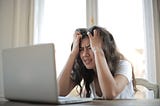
[124,19]
[60,18]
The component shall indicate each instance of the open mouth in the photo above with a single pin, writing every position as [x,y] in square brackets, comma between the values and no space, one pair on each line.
[87,61]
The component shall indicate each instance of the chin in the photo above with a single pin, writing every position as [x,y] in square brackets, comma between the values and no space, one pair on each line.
[89,67]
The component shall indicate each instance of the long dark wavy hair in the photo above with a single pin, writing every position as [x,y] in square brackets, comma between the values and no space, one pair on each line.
[112,55]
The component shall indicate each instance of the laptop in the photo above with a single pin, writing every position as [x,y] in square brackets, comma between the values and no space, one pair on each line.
[29,74]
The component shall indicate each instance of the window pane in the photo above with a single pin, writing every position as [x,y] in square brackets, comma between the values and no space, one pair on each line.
[124,19]
[59,20]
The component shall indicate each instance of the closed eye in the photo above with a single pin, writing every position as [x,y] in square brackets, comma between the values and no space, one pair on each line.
[81,49]
[88,46]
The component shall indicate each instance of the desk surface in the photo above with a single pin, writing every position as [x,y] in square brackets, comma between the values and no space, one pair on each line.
[144,102]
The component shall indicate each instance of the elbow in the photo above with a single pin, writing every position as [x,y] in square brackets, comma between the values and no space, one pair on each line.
[110,96]
[62,93]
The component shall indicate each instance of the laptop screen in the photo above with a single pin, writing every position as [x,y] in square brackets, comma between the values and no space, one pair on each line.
[30,73]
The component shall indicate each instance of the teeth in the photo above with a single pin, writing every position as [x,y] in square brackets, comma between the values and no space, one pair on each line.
[87,61]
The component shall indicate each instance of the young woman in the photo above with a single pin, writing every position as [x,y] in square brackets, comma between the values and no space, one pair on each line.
[94,58]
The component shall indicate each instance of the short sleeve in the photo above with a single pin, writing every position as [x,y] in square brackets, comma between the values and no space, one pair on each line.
[125,68]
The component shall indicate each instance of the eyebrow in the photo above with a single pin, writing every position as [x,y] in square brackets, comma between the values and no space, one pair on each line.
[85,46]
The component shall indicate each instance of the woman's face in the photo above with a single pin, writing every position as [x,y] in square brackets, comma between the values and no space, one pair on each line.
[86,54]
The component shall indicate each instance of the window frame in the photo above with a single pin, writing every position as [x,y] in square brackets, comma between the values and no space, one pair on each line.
[152,33]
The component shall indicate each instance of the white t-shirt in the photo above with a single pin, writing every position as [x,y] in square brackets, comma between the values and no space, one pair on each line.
[125,69]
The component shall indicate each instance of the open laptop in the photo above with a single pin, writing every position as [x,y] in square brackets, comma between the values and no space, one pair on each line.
[29,74]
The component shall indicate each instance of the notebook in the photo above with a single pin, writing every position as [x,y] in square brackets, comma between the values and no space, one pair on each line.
[29,74]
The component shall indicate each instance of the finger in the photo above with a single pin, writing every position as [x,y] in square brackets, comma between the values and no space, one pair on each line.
[79,36]
[98,32]
[76,34]
[95,32]
[89,34]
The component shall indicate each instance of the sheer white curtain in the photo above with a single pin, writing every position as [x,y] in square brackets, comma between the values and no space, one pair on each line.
[156,23]
[55,22]
[16,26]
[152,26]
[23,25]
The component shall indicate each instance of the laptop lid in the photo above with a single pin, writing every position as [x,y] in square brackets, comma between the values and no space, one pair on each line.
[30,73]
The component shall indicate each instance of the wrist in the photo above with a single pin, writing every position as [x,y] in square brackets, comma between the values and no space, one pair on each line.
[96,49]
[73,54]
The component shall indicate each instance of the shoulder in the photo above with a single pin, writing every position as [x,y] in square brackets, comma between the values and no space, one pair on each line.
[124,65]
[124,62]
[125,68]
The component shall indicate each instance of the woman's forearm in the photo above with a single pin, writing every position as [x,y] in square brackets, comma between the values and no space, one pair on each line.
[105,78]
[64,81]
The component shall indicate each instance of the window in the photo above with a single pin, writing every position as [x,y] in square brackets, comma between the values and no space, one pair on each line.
[124,19]
[58,21]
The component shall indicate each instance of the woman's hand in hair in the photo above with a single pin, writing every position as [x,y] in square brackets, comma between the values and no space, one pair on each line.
[95,40]
[76,40]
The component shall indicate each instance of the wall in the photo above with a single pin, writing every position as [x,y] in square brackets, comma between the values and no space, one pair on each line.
[16,28]
[6,29]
